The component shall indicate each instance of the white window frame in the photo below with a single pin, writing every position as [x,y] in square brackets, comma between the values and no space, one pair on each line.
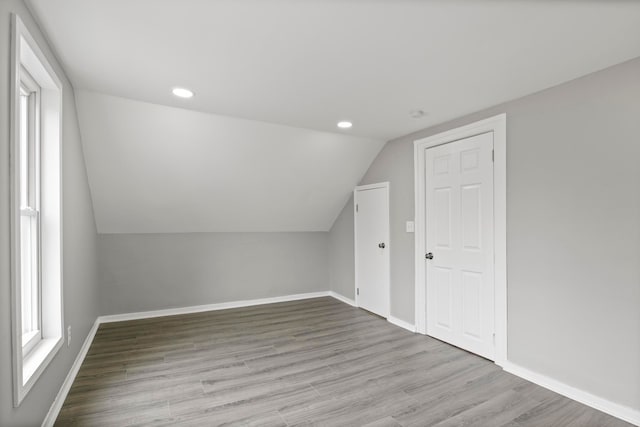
[32,72]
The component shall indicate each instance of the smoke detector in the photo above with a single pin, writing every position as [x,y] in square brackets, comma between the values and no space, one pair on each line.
[417,114]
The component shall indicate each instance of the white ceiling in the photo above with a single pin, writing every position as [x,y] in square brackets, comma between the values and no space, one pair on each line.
[154,168]
[310,63]
[257,148]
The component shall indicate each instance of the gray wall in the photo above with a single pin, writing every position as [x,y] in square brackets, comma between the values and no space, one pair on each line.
[140,272]
[573,232]
[79,239]
[395,164]
[341,246]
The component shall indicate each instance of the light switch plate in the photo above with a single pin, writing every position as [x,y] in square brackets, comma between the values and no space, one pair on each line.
[410,227]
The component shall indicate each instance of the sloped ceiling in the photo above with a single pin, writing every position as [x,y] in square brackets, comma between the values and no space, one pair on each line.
[155,168]
[257,148]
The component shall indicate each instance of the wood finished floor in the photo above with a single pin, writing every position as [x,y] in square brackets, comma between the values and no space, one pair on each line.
[302,363]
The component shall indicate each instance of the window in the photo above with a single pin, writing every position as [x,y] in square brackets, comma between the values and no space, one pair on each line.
[36,211]
[29,155]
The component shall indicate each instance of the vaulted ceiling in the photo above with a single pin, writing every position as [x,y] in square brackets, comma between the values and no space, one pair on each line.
[156,169]
[292,69]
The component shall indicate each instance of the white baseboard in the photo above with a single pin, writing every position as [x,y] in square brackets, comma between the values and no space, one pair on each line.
[342,298]
[619,411]
[208,307]
[56,406]
[399,322]
[391,319]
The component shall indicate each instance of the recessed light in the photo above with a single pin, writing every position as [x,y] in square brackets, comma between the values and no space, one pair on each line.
[344,125]
[182,92]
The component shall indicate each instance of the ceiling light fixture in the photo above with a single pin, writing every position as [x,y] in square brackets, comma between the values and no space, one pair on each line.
[181,92]
[344,125]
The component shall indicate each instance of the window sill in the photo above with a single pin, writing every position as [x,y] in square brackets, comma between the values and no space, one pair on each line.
[30,340]
[37,360]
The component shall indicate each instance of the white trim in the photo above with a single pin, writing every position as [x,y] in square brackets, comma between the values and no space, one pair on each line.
[615,409]
[56,406]
[497,125]
[34,363]
[342,298]
[365,187]
[386,186]
[26,54]
[401,323]
[208,307]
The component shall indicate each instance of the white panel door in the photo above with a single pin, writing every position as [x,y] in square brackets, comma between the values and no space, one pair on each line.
[459,242]
[372,248]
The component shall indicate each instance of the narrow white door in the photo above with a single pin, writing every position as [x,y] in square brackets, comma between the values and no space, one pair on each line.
[459,242]
[372,247]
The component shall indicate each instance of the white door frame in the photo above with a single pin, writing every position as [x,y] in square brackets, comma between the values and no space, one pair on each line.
[497,125]
[384,185]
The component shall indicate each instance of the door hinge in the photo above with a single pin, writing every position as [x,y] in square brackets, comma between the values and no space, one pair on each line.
[356,208]
[493,155]
[357,291]
[494,337]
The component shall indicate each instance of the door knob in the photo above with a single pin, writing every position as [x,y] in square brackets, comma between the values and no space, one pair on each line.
[381,245]
[429,255]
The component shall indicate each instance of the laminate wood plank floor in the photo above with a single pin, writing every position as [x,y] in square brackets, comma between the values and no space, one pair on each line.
[301,363]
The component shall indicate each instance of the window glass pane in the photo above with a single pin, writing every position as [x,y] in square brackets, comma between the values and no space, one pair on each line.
[30,283]
[32,141]
[24,151]
[34,225]
[26,274]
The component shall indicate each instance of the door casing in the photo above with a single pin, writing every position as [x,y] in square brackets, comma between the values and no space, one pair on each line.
[497,125]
